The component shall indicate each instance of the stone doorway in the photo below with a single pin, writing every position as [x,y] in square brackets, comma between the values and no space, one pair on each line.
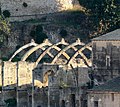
[72,100]
[63,103]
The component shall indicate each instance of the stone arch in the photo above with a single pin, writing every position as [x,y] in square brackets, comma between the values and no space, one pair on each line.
[45,79]
[83,56]
[22,48]
[27,54]
[46,46]
[78,42]
[53,47]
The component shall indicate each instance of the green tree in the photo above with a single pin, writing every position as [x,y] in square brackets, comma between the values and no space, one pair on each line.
[104,13]
[4,28]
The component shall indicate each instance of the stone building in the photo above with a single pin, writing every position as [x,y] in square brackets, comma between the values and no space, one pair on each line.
[51,79]
[57,75]
[106,66]
[106,95]
[106,56]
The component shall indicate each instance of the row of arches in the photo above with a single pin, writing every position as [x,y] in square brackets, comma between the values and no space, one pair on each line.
[61,49]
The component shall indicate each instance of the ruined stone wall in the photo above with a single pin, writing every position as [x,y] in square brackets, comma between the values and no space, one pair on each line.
[106,59]
[14,74]
[25,73]
[16,78]
[62,84]
[24,9]
[9,74]
[104,99]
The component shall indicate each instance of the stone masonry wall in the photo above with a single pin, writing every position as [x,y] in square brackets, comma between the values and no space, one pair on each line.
[24,73]
[20,9]
[106,59]
[9,74]
[10,70]
[104,99]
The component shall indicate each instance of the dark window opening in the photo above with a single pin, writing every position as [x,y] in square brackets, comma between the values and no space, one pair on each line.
[63,103]
[95,103]
[73,100]
[83,103]
[112,95]
[108,61]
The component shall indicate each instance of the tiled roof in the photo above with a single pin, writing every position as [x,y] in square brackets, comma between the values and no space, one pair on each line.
[114,35]
[112,85]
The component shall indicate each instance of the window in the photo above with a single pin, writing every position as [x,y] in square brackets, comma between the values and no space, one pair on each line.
[95,103]
[112,95]
[63,103]
[73,100]
[107,61]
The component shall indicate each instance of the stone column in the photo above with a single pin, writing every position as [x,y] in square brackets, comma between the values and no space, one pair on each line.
[67,103]
[90,101]
[99,103]
[17,86]
[2,74]
[33,88]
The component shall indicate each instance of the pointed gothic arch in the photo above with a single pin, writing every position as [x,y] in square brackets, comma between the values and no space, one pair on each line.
[55,46]
[22,48]
[28,53]
[78,42]
[62,56]
[83,56]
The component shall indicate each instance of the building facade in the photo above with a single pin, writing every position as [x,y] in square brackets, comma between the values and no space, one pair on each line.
[106,57]
[106,95]
[51,80]
[106,66]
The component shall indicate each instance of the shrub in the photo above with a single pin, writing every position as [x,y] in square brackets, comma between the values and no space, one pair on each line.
[6,13]
[63,33]
[39,28]
[40,37]
[11,102]
[25,4]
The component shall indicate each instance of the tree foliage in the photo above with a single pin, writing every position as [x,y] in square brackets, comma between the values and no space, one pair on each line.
[4,28]
[4,25]
[38,35]
[11,102]
[104,13]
